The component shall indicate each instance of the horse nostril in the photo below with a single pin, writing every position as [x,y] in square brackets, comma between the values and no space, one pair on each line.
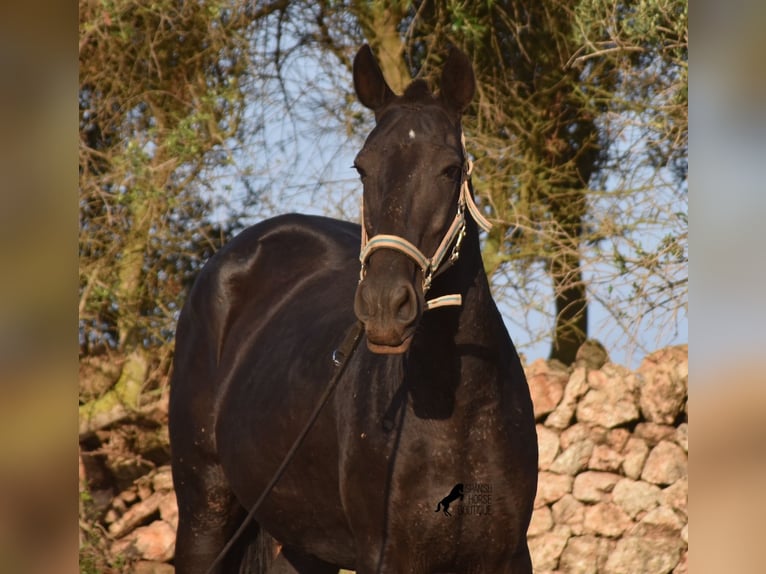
[362,303]
[404,303]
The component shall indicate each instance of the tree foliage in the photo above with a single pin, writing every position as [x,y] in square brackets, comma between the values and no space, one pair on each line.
[160,107]
[162,103]
[638,219]
[536,144]
[579,135]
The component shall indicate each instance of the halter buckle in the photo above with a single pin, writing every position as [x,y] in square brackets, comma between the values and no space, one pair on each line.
[456,249]
[428,275]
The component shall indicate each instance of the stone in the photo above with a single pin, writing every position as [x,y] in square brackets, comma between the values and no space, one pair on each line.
[593,486]
[608,403]
[574,459]
[144,487]
[666,463]
[654,433]
[591,355]
[547,446]
[663,392]
[169,509]
[155,542]
[162,479]
[111,516]
[546,386]
[638,555]
[129,496]
[676,496]
[119,505]
[635,454]
[597,379]
[598,434]
[542,521]
[635,496]
[575,388]
[551,487]
[135,515]
[606,519]
[146,567]
[547,548]
[613,371]
[617,438]
[605,458]
[661,521]
[570,512]
[578,432]
[579,556]
[682,436]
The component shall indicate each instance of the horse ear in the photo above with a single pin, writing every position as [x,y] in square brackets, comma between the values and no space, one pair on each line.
[369,83]
[458,83]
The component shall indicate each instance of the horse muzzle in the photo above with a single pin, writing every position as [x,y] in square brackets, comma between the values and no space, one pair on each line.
[389,311]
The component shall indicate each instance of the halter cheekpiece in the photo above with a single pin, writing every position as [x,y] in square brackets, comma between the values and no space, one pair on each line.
[453,238]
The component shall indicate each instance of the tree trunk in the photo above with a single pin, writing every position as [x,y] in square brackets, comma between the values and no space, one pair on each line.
[123,399]
[569,207]
[130,269]
[571,327]
[380,21]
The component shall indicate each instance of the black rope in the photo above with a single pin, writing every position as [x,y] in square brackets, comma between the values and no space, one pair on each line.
[341,358]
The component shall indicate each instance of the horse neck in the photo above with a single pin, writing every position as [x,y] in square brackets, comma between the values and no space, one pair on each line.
[473,321]
[453,340]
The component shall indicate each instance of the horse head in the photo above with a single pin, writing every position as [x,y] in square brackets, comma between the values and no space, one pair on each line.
[414,170]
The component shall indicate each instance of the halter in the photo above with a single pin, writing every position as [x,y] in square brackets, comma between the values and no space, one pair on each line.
[454,237]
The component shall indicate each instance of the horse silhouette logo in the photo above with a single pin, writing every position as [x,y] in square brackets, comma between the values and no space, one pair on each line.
[455,493]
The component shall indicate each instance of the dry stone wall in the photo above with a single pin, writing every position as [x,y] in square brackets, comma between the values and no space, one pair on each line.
[612,487]
[613,482]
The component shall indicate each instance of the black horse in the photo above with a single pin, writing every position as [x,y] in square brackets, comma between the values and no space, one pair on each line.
[435,397]
[454,494]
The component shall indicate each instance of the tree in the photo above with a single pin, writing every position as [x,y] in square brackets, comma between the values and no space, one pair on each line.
[579,139]
[556,96]
[639,218]
[161,109]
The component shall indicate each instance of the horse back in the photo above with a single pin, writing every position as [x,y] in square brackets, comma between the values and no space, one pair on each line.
[274,282]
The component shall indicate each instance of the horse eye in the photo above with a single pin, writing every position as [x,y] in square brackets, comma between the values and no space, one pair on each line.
[453,172]
[360,170]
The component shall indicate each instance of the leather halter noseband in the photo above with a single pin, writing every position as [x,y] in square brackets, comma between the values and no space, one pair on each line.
[433,265]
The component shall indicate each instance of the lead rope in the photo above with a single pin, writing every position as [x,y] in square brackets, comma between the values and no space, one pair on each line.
[340,358]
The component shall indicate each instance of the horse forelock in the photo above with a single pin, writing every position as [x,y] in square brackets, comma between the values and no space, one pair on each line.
[418,92]
[417,98]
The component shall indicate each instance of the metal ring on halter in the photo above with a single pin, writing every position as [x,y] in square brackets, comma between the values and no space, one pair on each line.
[338,358]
